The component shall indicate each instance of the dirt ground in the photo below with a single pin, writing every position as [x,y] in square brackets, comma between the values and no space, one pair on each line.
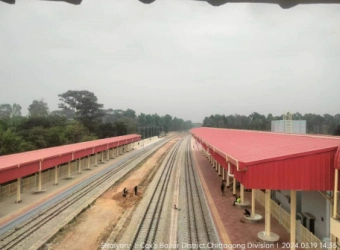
[94,225]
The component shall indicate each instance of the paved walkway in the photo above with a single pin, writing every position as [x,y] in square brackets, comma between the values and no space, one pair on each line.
[233,228]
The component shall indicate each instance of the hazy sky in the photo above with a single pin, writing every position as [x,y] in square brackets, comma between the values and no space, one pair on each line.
[180,57]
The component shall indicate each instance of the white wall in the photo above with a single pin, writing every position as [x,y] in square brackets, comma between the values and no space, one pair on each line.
[317,205]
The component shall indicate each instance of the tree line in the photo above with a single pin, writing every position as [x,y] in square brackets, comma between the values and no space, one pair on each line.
[79,118]
[315,124]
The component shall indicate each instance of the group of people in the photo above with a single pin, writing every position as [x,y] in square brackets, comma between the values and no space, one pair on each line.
[125,191]
[237,198]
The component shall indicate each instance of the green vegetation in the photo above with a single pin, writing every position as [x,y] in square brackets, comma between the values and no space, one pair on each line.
[316,124]
[80,118]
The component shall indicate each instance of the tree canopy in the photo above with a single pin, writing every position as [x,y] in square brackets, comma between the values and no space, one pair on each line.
[38,109]
[84,104]
[80,118]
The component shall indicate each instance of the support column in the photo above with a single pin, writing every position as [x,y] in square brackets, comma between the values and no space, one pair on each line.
[117,151]
[79,166]
[89,162]
[242,193]
[219,169]
[18,191]
[234,186]
[253,196]
[55,175]
[216,165]
[292,219]
[69,170]
[267,212]
[335,206]
[39,181]
[223,174]
[95,159]
[107,155]
[102,154]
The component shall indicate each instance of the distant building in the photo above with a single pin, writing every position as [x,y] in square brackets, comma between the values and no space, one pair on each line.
[288,125]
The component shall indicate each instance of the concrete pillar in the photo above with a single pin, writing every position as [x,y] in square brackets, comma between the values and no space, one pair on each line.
[107,155]
[336,181]
[242,193]
[102,154]
[223,174]
[253,196]
[234,186]
[95,159]
[292,219]
[89,162]
[69,170]
[79,166]
[117,152]
[18,191]
[39,181]
[219,169]
[55,175]
[267,212]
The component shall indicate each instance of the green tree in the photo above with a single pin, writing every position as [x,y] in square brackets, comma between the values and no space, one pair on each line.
[10,111]
[77,132]
[337,131]
[38,109]
[85,106]
[67,113]
[130,113]
[106,130]
[167,123]
[9,142]
[37,137]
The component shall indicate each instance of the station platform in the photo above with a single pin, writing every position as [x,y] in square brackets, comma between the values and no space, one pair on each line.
[233,228]
[9,210]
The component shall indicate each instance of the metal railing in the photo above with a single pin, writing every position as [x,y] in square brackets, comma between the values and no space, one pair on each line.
[304,236]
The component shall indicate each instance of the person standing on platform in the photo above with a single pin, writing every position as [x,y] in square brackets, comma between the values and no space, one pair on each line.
[223,187]
[136,189]
[237,200]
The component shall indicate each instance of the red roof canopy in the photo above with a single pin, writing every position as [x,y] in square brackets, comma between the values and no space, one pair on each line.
[274,160]
[18,165]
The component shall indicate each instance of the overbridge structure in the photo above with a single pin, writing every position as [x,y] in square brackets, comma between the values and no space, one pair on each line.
[275,161]
[285,4]
[16,166]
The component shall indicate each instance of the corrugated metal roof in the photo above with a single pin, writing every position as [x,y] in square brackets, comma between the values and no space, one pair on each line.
[274,160]
[255,146]
[37,155]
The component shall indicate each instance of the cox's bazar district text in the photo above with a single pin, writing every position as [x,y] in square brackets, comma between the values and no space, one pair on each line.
[249,245]
[191,246]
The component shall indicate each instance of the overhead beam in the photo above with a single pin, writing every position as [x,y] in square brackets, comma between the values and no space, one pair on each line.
[285,4]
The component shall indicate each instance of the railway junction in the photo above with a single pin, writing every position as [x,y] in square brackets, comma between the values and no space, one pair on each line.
[183,207]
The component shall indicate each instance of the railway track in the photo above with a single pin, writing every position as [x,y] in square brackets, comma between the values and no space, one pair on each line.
[198,232]
[195,227]
[145,236]
[28,233]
